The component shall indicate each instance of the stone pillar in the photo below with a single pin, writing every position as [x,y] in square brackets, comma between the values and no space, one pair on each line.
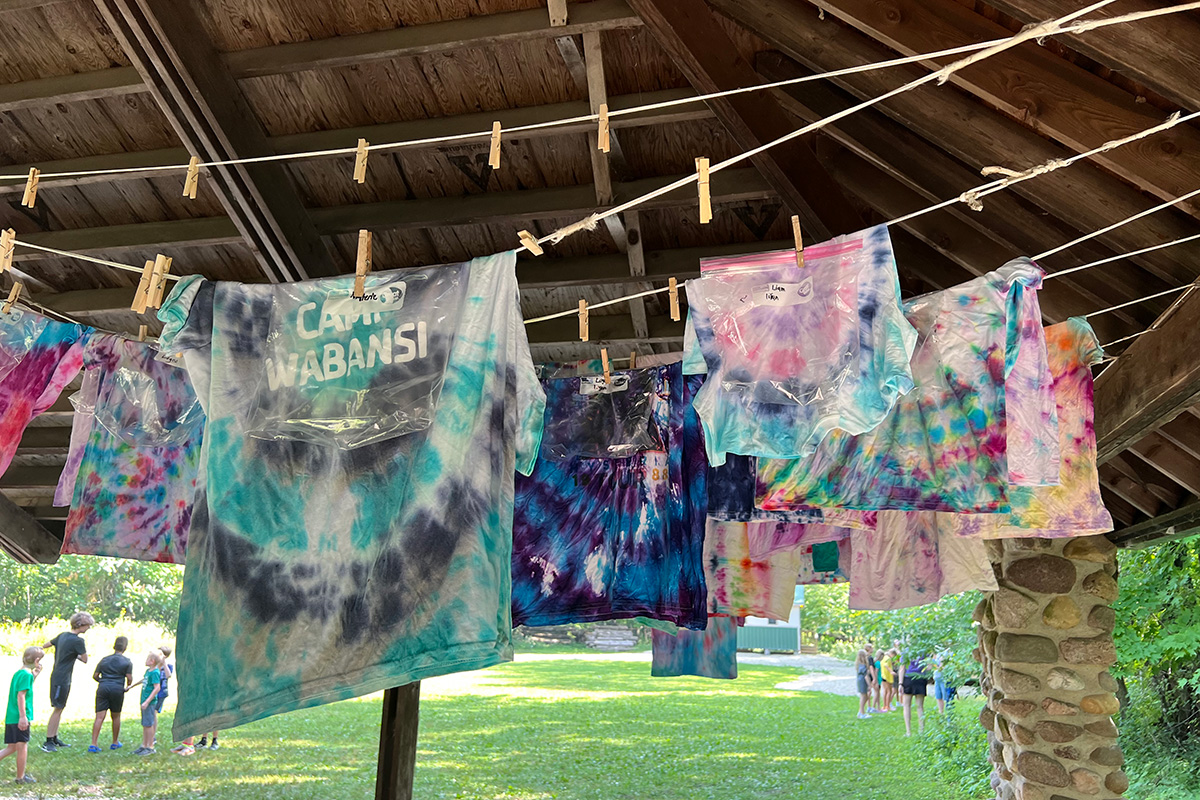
[1045,642]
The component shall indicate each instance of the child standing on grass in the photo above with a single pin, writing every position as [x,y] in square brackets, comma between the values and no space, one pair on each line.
[68,647]
[151,683]
[19,715]
[113,674]
[167,671]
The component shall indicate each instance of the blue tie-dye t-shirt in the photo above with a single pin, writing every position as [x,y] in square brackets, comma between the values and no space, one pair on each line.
[614,538]
[324,561]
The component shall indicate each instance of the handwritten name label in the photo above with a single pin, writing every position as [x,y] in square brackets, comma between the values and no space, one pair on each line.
[594,384]
[783,294]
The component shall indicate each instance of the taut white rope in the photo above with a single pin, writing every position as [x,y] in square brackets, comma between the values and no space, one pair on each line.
[1110,259]
[1114,226]
[1126,304]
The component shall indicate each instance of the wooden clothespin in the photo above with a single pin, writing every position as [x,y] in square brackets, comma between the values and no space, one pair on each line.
[605,365]
[158,281]
[494,154]
[12,296]
[362,264]
[530,242]
[603,139]
[360,161]
[7,245]
[705,195]
[192,182]
[31,187]
[583,320]
[633,359]
[673,291]
[142,329]
[142,295]
[799,241]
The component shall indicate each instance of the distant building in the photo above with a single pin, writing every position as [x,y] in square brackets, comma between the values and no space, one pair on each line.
[772,635]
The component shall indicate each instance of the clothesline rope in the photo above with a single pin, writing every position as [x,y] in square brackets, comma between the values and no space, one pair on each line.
[1167,204]
[1126,304]
[602,304]
[1056,26]
[1110,259]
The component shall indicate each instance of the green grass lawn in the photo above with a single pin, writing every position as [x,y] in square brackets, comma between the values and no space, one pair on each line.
[578,728]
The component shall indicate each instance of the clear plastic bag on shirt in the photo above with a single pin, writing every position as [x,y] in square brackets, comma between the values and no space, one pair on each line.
[605,420]
[347,372]
[143,412]
[18,331]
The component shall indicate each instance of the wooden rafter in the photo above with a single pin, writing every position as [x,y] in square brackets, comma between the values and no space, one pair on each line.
[1033,85]
[24,538]
[1175,524]
[693,37]
[1155,379]
[206,108]
[974,134]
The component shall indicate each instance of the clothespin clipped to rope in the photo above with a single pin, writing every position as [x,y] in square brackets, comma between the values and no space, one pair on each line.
[603,139]
[360,161]
[7,245]
[705,195]
[13,294]
[362,264]
[605,365]
[192,182]
[142,330]
[158,281]
[633,359]
[31,187]
[142,295]
[674,295]
[799,241]
[494,154]
[530,241]
[583,320]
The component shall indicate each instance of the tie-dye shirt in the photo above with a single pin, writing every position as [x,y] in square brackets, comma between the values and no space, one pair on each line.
[795,353]
[910,560]
[1074,507]
[710,653]
[315,572]
[613,538]
[943,447]
[135,448]
[731,492]
[38,358]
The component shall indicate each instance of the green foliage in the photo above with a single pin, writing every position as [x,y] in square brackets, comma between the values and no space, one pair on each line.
[957,748]
[922,631]
[109,589]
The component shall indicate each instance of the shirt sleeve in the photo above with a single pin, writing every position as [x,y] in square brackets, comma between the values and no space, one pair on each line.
[186,315]
[531,399]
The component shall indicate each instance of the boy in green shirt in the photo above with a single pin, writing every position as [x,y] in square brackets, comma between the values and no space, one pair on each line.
[20,711]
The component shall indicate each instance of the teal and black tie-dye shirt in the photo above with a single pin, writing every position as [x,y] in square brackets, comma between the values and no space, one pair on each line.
[331,557]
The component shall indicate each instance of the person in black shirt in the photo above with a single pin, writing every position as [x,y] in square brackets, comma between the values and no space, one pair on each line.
[68,647]
[114,673]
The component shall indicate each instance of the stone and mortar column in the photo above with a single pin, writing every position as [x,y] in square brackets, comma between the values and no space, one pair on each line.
[1045,643]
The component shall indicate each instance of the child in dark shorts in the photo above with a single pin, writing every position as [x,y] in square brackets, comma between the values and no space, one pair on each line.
[113,674]
[19,715]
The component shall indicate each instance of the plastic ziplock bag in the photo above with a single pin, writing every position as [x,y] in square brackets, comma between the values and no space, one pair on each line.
[140,411]
[348,372]
[18,333]
[605,420]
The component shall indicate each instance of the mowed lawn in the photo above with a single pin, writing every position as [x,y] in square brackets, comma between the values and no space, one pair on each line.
[583,728]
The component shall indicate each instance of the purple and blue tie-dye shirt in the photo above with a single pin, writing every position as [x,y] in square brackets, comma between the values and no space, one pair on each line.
[601,538]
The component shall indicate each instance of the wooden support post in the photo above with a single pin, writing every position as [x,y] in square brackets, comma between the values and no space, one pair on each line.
[398,743]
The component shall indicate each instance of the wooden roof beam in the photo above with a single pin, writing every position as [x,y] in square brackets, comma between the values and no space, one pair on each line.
[204,105]
[1170,460]
[417,129]
[1159,53]
[694,39]
[728,186]
[1177,524]
[23,537]
[1154,380]
[1033,85]
[1084,197]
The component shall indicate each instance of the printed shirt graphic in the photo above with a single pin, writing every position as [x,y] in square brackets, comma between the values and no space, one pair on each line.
[944,446]
[321,567]
[38,358]
[909,559]
[599,538]
[793,353]
[709,653]
[1074,507]
[135,449]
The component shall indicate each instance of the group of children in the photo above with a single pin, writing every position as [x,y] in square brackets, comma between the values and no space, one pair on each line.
[114,679]
[885,676]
